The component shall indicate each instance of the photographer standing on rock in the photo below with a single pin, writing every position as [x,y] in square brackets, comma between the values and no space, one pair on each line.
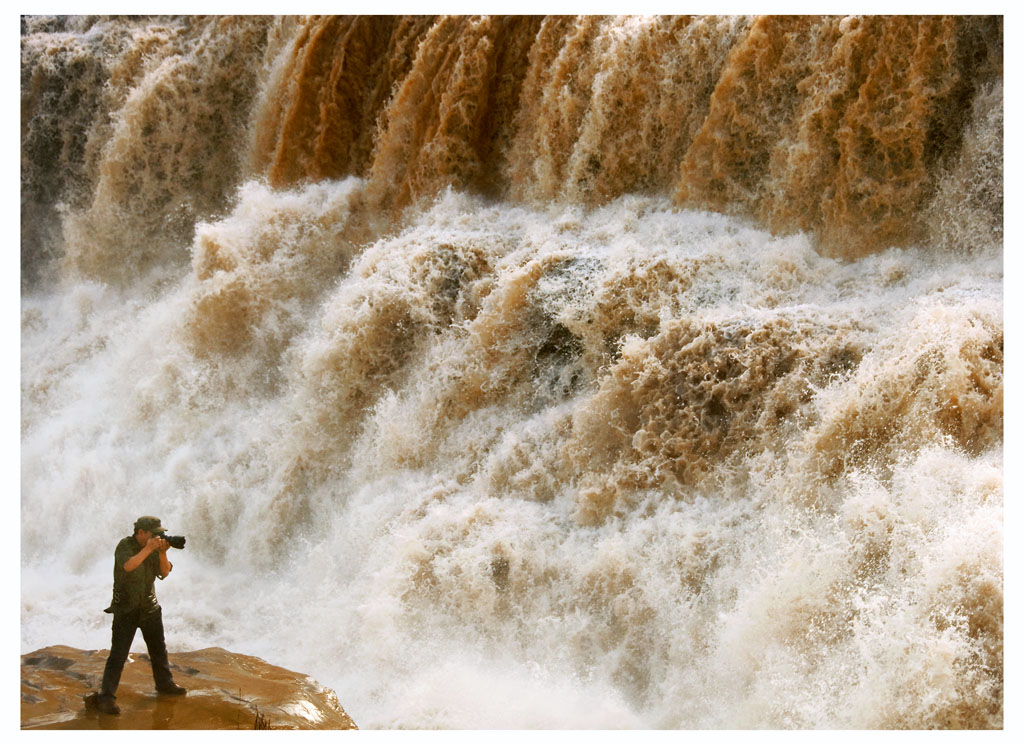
[138,560]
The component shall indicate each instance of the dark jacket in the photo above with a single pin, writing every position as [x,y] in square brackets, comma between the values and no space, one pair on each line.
[134,591]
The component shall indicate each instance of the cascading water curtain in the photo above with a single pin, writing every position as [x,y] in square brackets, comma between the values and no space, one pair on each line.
[528,372]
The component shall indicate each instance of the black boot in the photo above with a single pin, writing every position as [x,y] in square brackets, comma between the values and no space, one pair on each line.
[102,703]
[172,689]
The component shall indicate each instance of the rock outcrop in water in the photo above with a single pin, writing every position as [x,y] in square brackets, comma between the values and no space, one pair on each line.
[226,691]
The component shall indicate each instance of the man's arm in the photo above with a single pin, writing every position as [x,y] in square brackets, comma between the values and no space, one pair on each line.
[165,563]
[154,544]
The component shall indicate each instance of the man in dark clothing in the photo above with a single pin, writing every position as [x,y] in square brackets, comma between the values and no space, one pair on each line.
[138,560]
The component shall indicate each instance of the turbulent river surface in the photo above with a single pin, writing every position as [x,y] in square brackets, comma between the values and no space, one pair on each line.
[528,372]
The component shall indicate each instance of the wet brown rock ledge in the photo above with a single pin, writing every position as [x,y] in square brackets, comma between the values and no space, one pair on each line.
[225,691]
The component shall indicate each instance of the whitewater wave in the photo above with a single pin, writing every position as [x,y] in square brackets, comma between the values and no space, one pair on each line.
[523,372]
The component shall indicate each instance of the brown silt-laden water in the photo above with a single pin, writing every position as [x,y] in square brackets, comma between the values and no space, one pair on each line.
[528,372]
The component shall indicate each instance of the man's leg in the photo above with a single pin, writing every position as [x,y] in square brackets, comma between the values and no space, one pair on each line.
[121,635]
[152,626]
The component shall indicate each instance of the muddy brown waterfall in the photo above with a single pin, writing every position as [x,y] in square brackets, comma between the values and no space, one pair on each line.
[619,372]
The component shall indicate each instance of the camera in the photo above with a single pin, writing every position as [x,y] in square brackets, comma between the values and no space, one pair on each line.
[176,541]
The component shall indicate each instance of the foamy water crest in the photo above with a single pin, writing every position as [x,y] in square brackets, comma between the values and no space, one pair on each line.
[487,409]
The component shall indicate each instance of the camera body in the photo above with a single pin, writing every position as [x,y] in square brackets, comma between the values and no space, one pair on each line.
[176,541]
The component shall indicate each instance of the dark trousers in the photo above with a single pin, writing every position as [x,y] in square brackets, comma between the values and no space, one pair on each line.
[122,635]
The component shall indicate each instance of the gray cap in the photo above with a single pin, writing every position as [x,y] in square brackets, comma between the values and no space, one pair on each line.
[150,523]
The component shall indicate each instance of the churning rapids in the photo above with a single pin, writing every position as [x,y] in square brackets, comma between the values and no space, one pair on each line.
[528,372]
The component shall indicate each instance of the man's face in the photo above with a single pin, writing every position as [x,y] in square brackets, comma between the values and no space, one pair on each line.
[143,536]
